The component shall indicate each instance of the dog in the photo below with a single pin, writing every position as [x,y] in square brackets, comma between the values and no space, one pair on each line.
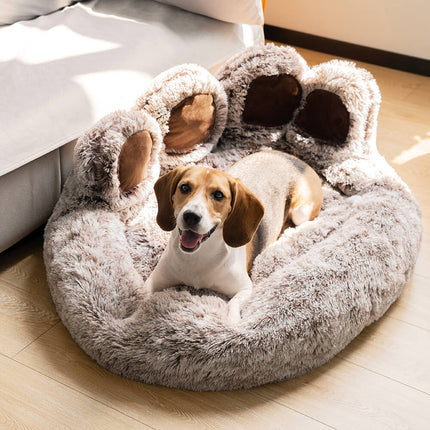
[220,221]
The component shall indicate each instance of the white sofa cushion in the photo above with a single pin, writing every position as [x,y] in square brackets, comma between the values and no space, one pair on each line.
[62,72]
[238,11]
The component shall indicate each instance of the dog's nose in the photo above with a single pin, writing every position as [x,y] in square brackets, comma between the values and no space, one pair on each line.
[191,218]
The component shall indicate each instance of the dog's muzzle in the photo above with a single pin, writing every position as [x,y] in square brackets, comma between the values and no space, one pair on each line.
[191,241]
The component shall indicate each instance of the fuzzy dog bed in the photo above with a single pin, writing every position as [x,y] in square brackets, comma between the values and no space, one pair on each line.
[315,289]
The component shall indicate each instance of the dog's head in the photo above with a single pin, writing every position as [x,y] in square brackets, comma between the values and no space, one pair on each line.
[200,200]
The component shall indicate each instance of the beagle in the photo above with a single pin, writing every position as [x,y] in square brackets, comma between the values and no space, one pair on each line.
[222,220]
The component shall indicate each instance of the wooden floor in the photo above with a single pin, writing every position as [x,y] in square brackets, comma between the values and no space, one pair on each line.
[380,381]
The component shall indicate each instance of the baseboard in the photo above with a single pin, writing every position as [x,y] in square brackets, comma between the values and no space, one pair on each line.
[349,50]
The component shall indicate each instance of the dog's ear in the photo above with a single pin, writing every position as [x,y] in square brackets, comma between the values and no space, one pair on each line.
[164,189]
[244,217]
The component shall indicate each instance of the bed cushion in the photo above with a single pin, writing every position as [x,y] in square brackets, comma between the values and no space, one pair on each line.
[316,288]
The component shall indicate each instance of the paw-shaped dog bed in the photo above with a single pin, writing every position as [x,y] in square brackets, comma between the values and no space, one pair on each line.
[315,289]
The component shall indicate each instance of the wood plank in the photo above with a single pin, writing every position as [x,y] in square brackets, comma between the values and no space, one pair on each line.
[414,303]
[426,218]
[426,223]
[26,308]
[24,316]
[31,400]
[395,349]
[22,265]
[403,141]
[421,94]
[57,356]
[422,266]
[348,397]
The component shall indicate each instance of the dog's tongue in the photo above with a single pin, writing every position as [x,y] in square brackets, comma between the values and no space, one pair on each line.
[189,239]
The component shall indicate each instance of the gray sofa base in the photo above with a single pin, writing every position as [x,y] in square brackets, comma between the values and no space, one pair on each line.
[29,194]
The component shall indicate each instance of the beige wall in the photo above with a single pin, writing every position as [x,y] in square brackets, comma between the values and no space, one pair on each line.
[401,26]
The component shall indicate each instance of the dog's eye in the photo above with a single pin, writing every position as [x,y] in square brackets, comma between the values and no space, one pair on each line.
[218,195]
[185,188]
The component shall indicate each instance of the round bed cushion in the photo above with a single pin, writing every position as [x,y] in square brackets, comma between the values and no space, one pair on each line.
[315,289]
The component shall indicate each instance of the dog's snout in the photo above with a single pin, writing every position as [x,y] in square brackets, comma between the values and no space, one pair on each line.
[191,218]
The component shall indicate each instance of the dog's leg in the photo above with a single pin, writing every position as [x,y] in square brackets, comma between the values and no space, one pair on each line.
[155,284]
[159,279]
[236,303]
[149,284]
[306,199]
[303,213]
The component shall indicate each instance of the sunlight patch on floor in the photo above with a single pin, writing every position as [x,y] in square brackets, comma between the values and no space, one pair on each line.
[422,147]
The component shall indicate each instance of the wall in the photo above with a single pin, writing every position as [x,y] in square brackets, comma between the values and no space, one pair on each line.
[401,26]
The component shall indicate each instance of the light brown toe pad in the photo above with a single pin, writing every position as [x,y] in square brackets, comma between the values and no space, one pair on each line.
[190,123]
[134,159]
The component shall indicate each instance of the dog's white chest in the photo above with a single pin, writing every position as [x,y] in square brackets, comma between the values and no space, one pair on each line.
[214,266]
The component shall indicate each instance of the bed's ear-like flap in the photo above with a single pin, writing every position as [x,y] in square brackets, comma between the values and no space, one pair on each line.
[190,106]
[117,161]
[336,123]
[325,117]
[263,88]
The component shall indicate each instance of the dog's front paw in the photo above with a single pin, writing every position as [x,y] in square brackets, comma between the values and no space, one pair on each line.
[234,314]
[238,300]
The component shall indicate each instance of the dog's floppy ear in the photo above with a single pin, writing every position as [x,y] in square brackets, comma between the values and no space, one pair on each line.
[164,189]
[244,217]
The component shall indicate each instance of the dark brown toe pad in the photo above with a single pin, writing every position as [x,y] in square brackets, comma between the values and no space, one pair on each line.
[134,160]
[325,117]
[272,100]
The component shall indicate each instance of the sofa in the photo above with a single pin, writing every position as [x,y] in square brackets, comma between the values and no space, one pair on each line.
[63,70]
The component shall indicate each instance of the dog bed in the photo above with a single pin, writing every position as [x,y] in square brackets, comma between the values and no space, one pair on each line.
[315,289]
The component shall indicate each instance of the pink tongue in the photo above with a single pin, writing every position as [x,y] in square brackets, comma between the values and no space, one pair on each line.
[189,239]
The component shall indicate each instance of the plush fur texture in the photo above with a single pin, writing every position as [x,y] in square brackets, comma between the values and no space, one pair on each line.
[315,289]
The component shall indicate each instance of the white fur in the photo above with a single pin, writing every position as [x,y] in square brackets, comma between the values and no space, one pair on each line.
[198,206]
